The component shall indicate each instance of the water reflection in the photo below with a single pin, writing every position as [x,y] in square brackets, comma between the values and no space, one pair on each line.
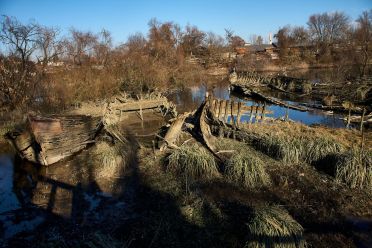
[190,98]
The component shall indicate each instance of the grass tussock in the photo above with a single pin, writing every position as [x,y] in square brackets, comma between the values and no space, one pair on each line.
[272,226]
[248,170]
[319,148]
[355,169]
[192,161]
[294,145]
[112,159]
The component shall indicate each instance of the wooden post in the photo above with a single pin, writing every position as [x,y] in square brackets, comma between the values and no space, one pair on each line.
[251,114]
[256,113]
[211,107]
[222,110]
[238,114]
[361,121]
[348,117]
[215,107]
[263,112]
[140,112]
[232,120]
[286,114]
[227,110]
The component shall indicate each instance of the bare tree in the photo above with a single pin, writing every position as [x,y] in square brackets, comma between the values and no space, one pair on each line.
[162,39]
[80,45]
[21,39]
[328,27]
[259,40]
[192,40]
[233,40]
[49,45]
[300,35]
[363,35]
[136,43]
[103,47]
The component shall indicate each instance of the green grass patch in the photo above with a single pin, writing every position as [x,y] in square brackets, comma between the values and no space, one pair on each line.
[272,226]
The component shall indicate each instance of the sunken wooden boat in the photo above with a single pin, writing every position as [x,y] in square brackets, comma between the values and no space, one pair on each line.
[47,140]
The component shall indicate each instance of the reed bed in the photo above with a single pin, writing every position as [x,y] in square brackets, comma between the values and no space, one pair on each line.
[272,226]
[192,161]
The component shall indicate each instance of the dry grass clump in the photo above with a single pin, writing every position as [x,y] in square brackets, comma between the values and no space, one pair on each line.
[293,143]
[272,226]
[306,88]
[192,161]
[355,169]
[319,148]
[248,170]
[329,100]
[279,147]
[112,159]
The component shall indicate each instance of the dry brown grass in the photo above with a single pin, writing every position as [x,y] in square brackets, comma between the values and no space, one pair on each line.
[272,226]
[294,143]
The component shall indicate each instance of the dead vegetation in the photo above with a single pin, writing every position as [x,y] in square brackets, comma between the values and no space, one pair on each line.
[248,170]
[272,226]
[354,168]
[192,161]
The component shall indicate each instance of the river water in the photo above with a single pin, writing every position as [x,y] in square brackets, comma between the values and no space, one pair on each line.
[191,97]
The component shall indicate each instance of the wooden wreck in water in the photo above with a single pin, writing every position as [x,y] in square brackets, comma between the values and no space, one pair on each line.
[47,140]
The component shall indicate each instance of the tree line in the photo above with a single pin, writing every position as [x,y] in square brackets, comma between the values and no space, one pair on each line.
[94,68]
[331,37]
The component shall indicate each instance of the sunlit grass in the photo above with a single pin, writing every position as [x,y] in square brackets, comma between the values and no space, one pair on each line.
[248,170]
[272,226]
[296,149]
[354,168]
[193,161]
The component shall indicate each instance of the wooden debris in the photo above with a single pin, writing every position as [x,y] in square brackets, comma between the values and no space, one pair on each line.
[173,132]
[47,140]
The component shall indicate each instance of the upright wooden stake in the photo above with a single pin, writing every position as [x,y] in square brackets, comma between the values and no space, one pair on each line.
[263,112]
[227,110]
[286,114]
[232,113]
[256,113]
[238,114]
[348,117]
[251,114]
[361,121]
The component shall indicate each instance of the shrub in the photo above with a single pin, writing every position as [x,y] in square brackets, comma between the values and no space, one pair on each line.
[248,170]
[192,161]
[272,226]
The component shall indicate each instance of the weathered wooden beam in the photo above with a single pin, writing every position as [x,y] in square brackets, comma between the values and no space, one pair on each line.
[138,105]
[173,132]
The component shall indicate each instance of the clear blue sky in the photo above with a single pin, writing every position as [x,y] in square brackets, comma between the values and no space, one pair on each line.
[127,17]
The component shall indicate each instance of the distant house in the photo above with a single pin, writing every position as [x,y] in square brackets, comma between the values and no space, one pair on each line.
[268,51]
